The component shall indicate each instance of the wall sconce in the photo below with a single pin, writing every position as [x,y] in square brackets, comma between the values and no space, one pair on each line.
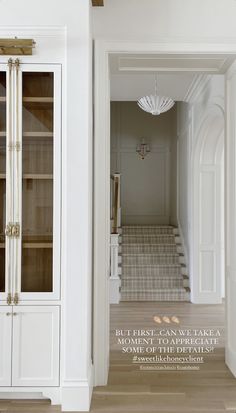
[143,149]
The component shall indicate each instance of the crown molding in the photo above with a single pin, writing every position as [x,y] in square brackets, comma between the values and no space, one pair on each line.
[39,31]
[197,85]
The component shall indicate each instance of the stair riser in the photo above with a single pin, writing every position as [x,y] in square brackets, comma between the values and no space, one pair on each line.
[140,285]
[148,239]
[146,231]
[149,249]
[155,296]
[130,271]
[149,260]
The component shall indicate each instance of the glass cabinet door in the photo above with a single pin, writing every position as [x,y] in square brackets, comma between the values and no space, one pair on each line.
[40,263]
[37,185]
[30,181]
[2,178]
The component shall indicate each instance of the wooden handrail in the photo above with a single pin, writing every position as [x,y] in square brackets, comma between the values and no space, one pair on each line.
[115,202]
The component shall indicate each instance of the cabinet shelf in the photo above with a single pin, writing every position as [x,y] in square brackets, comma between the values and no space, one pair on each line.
[38,176]
[32,134]
[35,99]
[32,176]
[38,134]
[37,245]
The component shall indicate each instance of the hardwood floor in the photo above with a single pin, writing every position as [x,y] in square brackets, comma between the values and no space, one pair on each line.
[211,389]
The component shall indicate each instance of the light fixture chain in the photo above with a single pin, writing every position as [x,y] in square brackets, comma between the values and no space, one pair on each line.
[156,85]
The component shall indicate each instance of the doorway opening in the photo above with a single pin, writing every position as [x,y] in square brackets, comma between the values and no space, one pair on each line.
[208,238]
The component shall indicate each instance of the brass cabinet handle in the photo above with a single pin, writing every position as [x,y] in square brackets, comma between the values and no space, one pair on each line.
[14,314]
[8,230]
[8,314]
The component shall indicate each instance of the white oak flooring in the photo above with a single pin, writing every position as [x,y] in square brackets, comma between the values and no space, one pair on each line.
[211,389]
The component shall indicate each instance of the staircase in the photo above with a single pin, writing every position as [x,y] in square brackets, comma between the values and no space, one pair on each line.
[153,265]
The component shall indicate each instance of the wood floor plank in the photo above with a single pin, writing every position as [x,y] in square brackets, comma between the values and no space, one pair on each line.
[212,389]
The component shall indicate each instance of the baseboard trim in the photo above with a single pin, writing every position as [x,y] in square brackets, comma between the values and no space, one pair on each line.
[76,395]
[183,245]
[230,359]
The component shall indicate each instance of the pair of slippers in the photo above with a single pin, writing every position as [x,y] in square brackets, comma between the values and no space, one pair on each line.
[165,319]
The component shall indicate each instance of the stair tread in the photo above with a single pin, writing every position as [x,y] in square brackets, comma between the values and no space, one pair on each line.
[131,244]
[148,226]
[153,265]
[175,254]
[153,278]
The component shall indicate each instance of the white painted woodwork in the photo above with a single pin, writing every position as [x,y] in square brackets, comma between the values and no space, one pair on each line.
[145,184]
[35,355]
[59,40]
[5,345]
[230,160]
[201,187]
[207,209]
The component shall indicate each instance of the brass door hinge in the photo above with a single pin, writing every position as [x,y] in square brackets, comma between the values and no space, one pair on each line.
[9,299]
[12,230]
[16,299]
[14,146]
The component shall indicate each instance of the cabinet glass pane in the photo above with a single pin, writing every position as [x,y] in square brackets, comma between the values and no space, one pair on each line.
[2,177]
[37,187]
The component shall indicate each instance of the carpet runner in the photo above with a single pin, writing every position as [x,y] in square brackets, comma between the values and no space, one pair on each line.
[153,267]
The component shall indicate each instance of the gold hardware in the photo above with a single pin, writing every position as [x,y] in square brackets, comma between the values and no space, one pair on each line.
[16,46]
[16,230]
[8,314]
[10,63]
[9,299]
[17,63]
[8,230]
[12,230]
[16,299]
[14,314]
[14,146]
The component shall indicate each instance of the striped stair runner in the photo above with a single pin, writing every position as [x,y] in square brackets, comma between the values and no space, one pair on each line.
[152,263]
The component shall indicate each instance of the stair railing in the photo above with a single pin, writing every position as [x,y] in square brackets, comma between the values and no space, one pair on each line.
[115,203]
[114,239]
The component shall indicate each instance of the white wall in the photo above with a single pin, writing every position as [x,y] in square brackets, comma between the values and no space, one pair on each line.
[230,219]
[200,166]
[148,187]
[62,33]
[170,18]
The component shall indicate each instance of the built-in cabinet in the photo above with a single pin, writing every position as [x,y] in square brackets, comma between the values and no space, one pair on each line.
[30,151]
[29,346]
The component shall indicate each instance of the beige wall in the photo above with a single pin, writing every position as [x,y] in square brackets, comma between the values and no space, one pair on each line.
[148,187]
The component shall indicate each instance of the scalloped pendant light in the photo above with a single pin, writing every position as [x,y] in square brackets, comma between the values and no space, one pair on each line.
[155,104]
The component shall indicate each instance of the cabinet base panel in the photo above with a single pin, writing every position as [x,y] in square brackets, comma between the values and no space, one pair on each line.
[16,393]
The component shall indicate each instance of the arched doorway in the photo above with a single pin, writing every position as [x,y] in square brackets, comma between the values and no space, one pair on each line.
[207,205]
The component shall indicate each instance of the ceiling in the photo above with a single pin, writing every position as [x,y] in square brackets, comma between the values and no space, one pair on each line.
[133,76]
